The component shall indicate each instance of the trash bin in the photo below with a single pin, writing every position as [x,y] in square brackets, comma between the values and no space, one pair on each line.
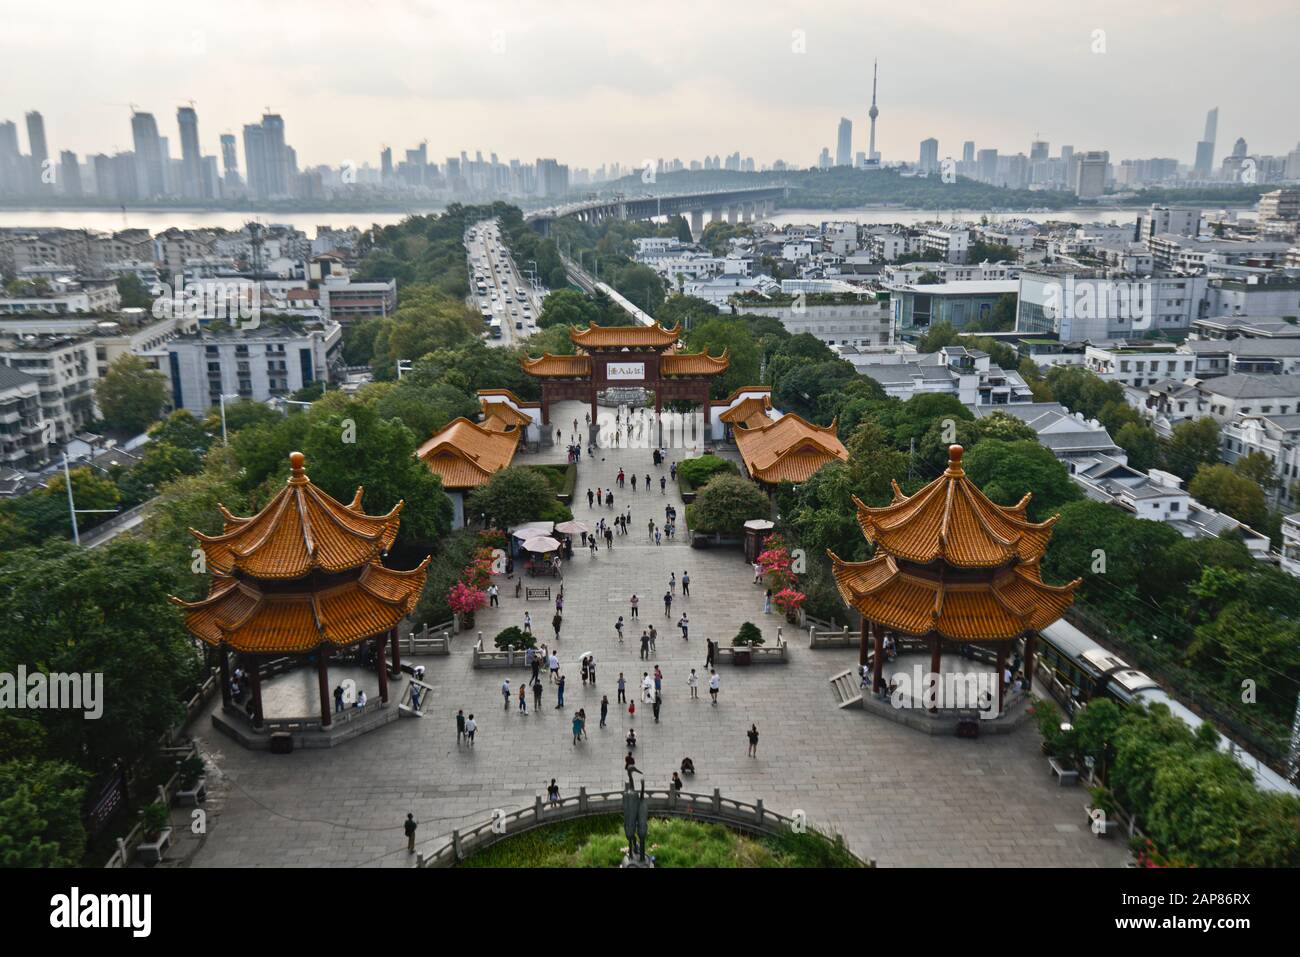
[281,743]
[742,656]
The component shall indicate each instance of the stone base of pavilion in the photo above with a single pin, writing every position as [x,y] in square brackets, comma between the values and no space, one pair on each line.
[296,692]
[909,707]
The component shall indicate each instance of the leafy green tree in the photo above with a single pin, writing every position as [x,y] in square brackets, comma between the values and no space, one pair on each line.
[130,394]
[424,409]
[685,311]
[642,286]
[1224,489]
[44,512]
[1141,444]
[1258,468]
[184,431]
[103,611]
[1194,443]
[874,464]
[1006,471]
[1112,551]
[1082,391]
[726,504]
[40,814]
[567,307]
[135,294]
[716,335]
[356,447]
[511,497]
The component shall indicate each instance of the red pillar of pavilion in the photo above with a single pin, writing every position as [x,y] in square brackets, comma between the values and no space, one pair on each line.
[255,678]
[878,666]
[397,652]
[381,668]
[223,662]
[936,655]
[999,682]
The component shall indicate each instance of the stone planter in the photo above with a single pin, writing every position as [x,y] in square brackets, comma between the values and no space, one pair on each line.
[194,796]
[742,656]
[152,852]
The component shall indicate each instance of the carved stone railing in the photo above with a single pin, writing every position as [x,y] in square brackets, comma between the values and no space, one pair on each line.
[714,808]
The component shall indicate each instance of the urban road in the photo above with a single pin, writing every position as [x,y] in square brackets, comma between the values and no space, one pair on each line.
[490,260]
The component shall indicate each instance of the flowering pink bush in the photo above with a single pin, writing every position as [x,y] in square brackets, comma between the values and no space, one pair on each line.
[789,600]
[465,599]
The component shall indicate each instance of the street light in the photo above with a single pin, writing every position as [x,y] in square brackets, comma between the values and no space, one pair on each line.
[73,511]
[222,399]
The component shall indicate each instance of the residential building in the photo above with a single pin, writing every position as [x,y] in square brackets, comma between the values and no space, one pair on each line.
[967,374]
[857,320]
[65,369]
[22,426]
[918,307]
[1139,363]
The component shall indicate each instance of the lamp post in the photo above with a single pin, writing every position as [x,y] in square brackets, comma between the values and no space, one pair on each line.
[73,511]
[225,440]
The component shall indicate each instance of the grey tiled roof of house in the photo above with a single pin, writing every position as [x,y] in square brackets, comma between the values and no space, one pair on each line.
[11,378]
[1243,386]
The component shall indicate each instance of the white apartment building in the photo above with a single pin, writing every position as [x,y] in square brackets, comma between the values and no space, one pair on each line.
[1275,436]
[1082,306]
[864,322]
[948,243]
[22,426]
[1290,561]
[257,364]
[1137,364]
[64,297]
[967,374]
[1216,357]
[65,369]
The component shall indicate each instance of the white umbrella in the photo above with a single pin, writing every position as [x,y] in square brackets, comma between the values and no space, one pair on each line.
[572,528]
[759,524]
[542,543]
[534,528]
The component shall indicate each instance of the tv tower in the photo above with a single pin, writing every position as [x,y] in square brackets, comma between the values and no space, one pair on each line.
[872,155]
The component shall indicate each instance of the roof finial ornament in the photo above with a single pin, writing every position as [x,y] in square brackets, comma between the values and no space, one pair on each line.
[954,459]
[296,462]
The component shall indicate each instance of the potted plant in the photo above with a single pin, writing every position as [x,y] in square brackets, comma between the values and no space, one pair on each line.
[746,639]
[155,821]
[790,601]
[1101,811]
[191,782]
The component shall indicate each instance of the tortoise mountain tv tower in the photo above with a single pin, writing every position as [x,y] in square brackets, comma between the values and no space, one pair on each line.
[873,158]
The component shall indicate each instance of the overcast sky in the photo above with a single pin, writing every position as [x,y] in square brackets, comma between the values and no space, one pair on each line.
[593,82]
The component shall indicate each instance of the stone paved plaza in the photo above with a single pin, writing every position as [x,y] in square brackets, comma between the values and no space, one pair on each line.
[899,796]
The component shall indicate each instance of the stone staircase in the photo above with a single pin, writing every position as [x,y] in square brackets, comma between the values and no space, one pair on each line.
[847,689]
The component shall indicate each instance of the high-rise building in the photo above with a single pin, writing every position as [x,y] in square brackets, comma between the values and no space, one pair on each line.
[1038,150]
[11,177]
[844,143]
[1091,179]
[929,160]
[986,166]
[69,174]
[230,159]
[39,150]
[968,151]
[255,161]
[1205,148]
[386,164]
[191,156]
[872,155]
[151,175]
[824,158]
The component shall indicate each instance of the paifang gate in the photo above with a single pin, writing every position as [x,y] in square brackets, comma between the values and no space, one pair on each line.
[608,356]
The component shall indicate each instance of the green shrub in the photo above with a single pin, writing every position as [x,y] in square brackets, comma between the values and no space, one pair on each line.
[725,504]
[747,636]
[513,636]
[696,472]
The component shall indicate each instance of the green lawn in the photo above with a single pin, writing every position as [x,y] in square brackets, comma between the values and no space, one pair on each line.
[673,842]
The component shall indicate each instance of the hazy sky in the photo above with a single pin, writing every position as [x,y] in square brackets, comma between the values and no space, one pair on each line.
[592,82]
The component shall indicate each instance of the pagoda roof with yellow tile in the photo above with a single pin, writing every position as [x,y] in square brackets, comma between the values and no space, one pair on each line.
[605,338]
[788,449]
[693,363]
[293,617]
[466,454]
[750,412]
[953,521]
[301,530]
[971,607]
[558,367]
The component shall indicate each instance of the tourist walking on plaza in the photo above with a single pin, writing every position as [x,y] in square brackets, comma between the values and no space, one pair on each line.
[668,604]
[653,634]
[528,623]
[590,498]
[645,646]
[591,669]
[686,585]
[753,740]
[676,783]
[609,498]
[647,481]
[577,729]
[672,582]
[537,694]
[618,626]
[714,683]
[470,727]
[673,472]
[758,573]
[505,693]
[604,708]
[708,652]
[460,725]
[659,679]
[523,699]
[622,689]
[658,537]
[693,683]
[636,603]
[493,592]
[555,623]
[410,827]
[767,602]
[553,793]
[647,687]
[658,701]
[583,671]
[633,481]
[554,664]
[663,485]
[684,624]
[559,693]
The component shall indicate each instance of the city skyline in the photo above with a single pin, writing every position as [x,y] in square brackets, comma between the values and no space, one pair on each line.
[785,79]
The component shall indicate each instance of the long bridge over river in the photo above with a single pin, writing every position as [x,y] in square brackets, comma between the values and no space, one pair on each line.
[736,205]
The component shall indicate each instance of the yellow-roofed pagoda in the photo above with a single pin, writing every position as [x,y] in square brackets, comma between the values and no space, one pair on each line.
[302,576]
[952,566]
